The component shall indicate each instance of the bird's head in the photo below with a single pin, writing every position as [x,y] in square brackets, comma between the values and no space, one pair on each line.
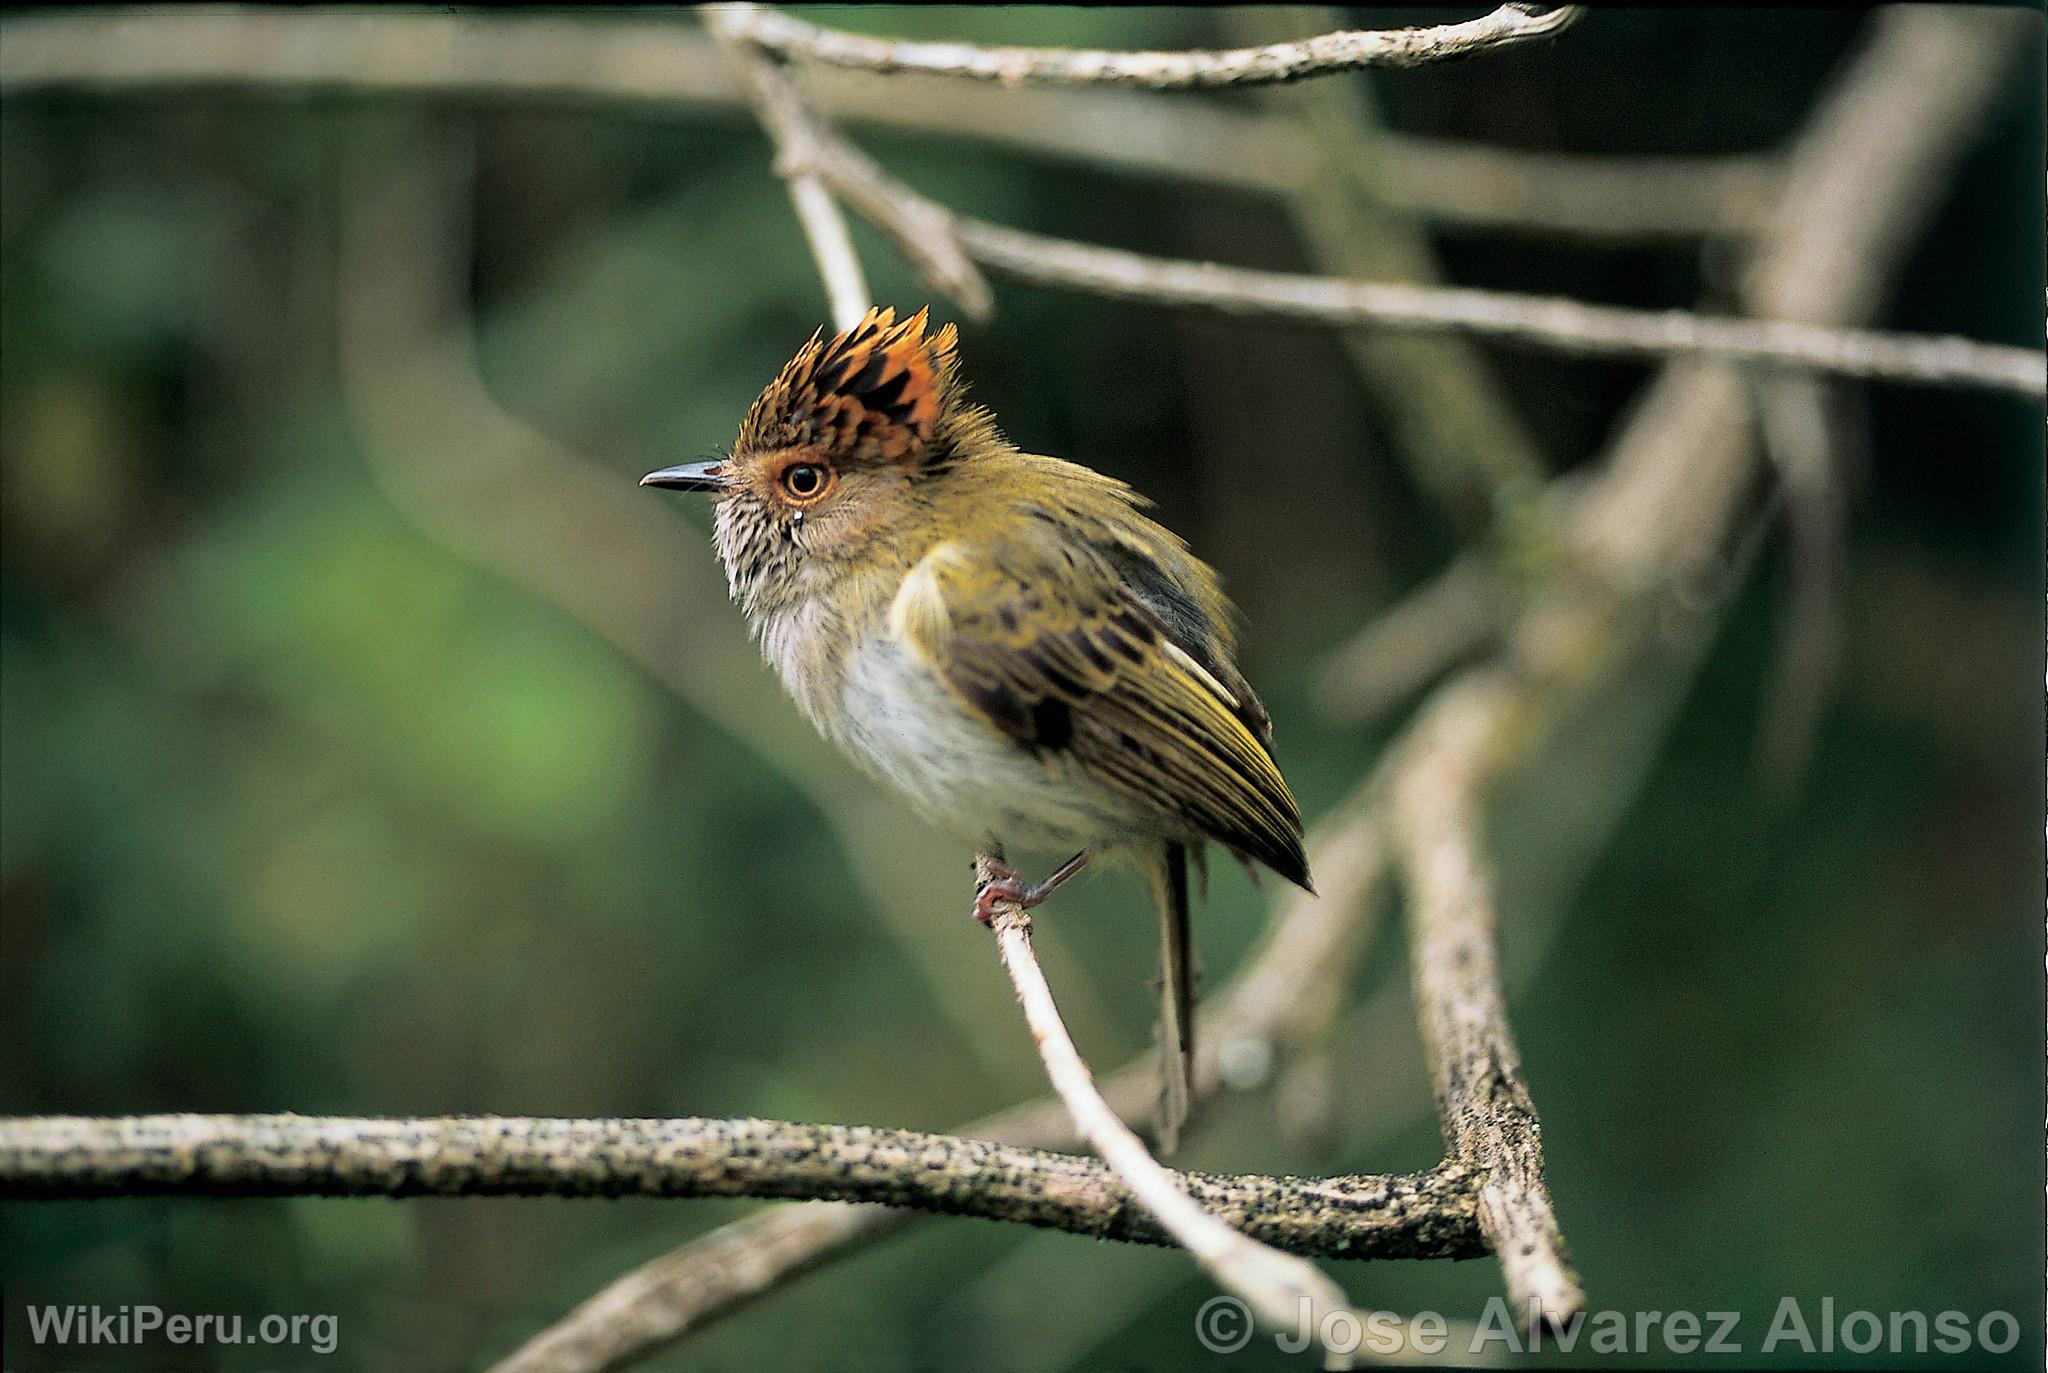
[835,461]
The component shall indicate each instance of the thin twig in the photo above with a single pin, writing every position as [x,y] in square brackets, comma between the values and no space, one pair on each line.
[1614,196]
[1348,50]
[797,161]
[1540,321]
[916,224]
[1280,1289]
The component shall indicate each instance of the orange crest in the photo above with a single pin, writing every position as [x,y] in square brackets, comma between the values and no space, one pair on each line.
[873,393]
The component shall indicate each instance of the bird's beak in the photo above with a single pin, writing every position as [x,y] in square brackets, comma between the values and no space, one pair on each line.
[691,476]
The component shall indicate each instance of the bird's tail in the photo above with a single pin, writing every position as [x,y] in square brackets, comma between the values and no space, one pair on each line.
[1176,994]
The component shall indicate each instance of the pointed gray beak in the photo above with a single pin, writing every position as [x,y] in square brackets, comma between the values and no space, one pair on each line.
[691,476]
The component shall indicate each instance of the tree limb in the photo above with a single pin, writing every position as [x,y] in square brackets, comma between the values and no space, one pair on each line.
[1421,1215]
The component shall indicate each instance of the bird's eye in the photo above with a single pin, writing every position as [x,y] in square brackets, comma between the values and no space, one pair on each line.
[804,480]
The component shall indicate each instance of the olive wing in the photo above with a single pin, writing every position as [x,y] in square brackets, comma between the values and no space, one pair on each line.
[1057,653]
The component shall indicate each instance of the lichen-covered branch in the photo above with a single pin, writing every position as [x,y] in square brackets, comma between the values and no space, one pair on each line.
[1489,1120]
[1423,1215]
[1348,50]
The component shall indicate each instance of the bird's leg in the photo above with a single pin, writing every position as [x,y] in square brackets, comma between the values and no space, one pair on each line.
[1004,884]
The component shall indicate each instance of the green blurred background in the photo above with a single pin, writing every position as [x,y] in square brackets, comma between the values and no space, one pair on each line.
[359,759]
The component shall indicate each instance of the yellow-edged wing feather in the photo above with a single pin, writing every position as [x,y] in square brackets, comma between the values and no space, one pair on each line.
[1042,636]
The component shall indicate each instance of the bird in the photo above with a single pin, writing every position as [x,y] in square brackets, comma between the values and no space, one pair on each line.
[1007,639]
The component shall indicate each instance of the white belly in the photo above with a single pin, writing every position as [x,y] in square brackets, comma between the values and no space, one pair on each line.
[904,725]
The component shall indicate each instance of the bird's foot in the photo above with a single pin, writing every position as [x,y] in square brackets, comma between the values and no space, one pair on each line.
[1005,886]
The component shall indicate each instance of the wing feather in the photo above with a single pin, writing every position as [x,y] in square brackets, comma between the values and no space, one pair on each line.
[1060,653]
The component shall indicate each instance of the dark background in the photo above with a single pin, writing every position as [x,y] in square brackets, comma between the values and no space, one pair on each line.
[309,806]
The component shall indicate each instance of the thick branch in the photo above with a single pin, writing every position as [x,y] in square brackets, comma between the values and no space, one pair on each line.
[1488,1117]
[1274,62]
[1420,1215]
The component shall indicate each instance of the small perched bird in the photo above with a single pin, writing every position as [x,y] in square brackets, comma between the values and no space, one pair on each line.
[1005,638]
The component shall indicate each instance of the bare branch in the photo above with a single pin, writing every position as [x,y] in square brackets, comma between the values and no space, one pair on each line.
[1489,1120]
[807,149]
[796,162]
[1278,1287]
[1803,441]
[1425,1215]
[1543,321]
[1349,50]
[921,229]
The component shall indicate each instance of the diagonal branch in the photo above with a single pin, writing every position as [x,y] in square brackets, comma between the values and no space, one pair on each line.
[1347,50]
[1281,1290]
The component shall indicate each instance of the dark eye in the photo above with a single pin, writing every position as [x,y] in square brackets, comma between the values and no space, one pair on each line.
[803,480]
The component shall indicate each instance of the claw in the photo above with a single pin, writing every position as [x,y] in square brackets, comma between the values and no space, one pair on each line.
[1006,889]
[1006,886]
